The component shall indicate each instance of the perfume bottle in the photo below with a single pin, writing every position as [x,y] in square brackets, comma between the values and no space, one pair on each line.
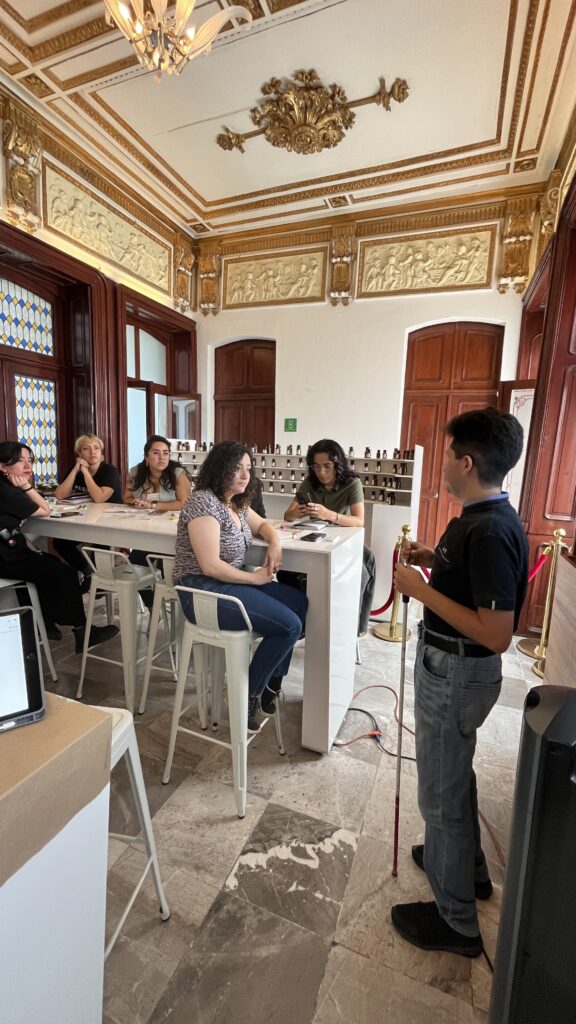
[273,462]
[372,495]
[392,499]
[292,475]
[271,487]
[365,467]
[384,454]
[378,467]
[294,488]
[289,449]
[277,449]
[262,461]
[273,475]
[378,454]
[381,496]
[395,468]
[300,463]
[282,489]
[366,453]
[298,449]
[350,452]
[279,474]
[288,463]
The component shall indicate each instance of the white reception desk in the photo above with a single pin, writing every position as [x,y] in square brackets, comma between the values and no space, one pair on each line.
[333,568]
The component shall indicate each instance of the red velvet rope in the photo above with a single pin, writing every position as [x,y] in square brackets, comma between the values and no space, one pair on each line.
[536,567]
[379,611]
[426,572]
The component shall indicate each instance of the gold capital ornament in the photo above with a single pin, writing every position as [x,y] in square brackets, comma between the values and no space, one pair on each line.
[22,151]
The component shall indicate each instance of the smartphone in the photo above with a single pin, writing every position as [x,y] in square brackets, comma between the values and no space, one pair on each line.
[313,538]
[303,497]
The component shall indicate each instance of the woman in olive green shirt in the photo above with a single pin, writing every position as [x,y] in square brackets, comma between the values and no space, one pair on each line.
[334,494]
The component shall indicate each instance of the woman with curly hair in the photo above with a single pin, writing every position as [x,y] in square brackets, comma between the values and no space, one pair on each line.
[333,493]
[215,530]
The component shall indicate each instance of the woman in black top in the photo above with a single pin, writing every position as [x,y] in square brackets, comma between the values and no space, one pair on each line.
[93,479]
[57,584]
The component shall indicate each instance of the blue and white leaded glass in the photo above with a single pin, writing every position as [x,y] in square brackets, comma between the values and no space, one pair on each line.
[25,320]
[36,424]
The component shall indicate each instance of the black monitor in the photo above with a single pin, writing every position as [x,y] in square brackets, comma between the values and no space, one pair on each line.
[21,683]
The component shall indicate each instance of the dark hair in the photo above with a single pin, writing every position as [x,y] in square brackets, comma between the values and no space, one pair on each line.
[491,438]
[10,452]
[219,469]
[142,476]
[337,457]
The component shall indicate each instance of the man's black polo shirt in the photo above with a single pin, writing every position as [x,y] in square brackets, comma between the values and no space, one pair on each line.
[481,561]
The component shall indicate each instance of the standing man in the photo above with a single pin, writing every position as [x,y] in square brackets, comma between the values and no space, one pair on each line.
[471,607]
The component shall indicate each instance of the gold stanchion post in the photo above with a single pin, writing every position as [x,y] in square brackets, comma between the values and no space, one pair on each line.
[391,631]
[542,647]
[528,645]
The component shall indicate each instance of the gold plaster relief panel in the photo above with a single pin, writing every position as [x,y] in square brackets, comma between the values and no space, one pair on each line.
[76,214]
[447,261]
[275,280]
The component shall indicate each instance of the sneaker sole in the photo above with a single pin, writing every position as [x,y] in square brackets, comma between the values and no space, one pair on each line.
[470,953]
[479,893]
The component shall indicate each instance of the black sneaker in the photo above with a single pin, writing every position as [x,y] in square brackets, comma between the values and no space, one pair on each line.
[482,890]
[52,631]
[254,725]
[270,695]
[98,635]
[85,585]
[421,924]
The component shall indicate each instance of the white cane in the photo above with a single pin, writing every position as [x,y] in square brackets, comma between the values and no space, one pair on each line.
[405,602]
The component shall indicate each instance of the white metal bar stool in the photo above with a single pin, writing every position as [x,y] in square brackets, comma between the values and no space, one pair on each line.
[125,744]
[166,605]
[6,585]
[235,646]
[112,572]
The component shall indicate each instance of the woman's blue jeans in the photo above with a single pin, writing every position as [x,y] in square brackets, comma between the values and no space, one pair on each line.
[277,614]
[453,695]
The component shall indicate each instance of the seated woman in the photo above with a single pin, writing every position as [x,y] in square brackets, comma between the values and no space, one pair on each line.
[216,527]
[93,479]
[156,482]
[57,584]
[335,495]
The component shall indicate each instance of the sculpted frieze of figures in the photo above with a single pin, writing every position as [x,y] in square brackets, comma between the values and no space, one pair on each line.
[449,260]
[77,214]
[267,280]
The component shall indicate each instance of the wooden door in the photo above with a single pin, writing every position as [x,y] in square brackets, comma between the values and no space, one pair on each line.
[244,392]
[450,368]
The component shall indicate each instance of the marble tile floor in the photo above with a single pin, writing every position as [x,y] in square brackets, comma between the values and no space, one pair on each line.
[284,916]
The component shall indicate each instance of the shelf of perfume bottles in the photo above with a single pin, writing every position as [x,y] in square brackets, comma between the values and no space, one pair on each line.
[385,480]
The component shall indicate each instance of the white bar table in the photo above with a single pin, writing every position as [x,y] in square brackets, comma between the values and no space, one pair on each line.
[333,568]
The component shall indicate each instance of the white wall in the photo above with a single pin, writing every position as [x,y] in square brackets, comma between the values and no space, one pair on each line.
[340,371]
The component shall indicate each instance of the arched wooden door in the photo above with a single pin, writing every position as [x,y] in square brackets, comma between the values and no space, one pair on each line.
[450,369]
[244,392]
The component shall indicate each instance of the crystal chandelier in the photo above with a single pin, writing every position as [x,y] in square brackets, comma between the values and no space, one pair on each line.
[162,40]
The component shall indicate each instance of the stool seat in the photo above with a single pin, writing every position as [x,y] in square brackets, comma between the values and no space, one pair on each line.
[113,573]
[231,654]
[125,744]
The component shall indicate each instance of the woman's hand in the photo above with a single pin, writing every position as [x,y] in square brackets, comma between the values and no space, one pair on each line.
[82,465]
[273,560]
[414,553]
[24,482]
[260,576]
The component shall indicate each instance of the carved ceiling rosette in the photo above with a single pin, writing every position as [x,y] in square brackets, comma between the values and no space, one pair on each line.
[303,116]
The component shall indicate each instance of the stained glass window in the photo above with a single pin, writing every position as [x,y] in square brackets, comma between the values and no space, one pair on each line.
[36,424]
[25,320]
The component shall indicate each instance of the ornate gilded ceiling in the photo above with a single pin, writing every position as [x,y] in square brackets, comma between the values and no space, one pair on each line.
[491,90]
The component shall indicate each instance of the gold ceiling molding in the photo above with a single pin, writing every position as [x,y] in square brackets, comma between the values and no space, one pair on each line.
[48,17]
[552,90]
[517,235]
[93,75]
[290,240]
[525,165]
[77,213]
[182,273]
[445,261]
[37,86]
[22,150]
[304,116]
[375,182]
[57,44]
[274,280]
[283,5]
[86,166]
[343,251]
[190,197]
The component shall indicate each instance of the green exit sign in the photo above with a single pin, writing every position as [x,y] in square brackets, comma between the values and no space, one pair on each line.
[290,426]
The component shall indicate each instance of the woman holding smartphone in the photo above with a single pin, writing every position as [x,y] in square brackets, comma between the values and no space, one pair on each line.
[332,492]
[215,529]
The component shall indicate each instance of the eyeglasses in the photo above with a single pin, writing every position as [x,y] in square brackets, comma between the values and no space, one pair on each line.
[317,466]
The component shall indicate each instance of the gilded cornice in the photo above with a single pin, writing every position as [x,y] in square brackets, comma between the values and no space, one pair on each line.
[94,74]
[58,43]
